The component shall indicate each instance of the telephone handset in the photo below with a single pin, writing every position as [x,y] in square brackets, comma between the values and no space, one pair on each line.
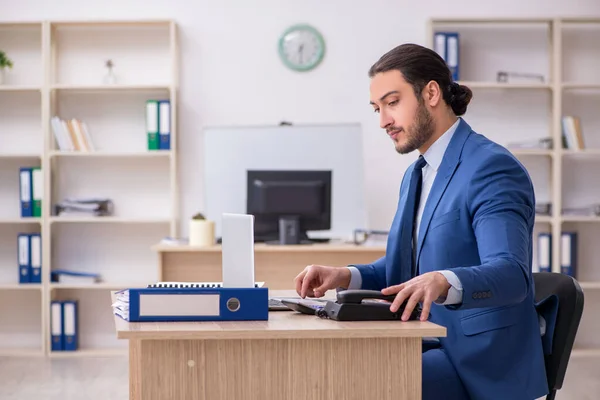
[364,305]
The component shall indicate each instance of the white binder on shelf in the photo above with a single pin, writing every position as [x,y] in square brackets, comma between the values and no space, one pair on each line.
[568,253]
[70,325]
[24,256]
[56,326]
[544,263]
[35,271]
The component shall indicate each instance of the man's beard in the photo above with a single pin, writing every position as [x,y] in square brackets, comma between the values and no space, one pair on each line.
[419,132]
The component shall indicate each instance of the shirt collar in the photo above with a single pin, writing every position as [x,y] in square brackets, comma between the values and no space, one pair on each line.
[435,153]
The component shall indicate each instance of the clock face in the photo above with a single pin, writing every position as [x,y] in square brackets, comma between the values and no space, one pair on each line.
[301,47]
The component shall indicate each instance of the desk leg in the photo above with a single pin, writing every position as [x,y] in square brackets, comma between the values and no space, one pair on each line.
[291,369]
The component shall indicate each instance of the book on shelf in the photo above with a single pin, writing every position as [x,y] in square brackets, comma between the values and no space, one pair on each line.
[71,135]
[572,133]
[29,250]
[64,325]
[31,186]
[158,124]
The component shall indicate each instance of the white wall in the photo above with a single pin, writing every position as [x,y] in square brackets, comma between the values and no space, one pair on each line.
[231,74]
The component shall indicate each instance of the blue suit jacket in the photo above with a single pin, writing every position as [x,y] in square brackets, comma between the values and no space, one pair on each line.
[478,222]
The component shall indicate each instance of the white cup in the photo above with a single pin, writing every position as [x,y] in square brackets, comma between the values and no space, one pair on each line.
[202,232]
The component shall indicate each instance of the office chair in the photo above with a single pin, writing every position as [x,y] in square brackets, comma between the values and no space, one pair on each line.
[559,299]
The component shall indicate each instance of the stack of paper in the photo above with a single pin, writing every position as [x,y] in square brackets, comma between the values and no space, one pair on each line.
[84,206]
[121,304]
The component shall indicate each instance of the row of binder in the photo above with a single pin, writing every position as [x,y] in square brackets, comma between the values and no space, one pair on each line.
[64,327]
[446,44]
[31,187]
[158,124]
[568,253]
[29,248]
[71,135]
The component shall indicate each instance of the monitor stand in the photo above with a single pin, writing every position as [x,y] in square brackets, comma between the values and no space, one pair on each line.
[289,233]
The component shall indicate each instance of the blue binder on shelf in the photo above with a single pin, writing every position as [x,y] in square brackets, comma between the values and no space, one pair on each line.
[447,45]
[192,302]
[26,191]
[164,125]
[568,253]
[24,257]
[35,267]
[56,326]
[544,252]
[70,325]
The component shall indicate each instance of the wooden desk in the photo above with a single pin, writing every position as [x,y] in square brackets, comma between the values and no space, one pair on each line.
[275,265]
[292,356]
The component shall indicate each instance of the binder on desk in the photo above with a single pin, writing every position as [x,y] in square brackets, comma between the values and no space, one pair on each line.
[192,302]
[24,257]
[544,252]
[56,326]
[164,124]
[568,253]
[25,183]
[35,267]
[70,325]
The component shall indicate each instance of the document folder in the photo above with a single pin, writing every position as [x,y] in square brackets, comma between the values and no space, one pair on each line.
[192,303]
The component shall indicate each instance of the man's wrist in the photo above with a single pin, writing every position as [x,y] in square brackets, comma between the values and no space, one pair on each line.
[444,284]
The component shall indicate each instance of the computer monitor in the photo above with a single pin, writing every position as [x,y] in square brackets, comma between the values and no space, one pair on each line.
[296,200]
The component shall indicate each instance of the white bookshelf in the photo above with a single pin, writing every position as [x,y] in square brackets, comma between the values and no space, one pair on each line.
[565,52]
[59,69]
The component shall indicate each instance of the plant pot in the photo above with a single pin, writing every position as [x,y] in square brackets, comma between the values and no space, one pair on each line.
[202,232]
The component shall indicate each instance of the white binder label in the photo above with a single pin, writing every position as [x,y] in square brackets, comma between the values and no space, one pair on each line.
[38,184]
[23,250]
[452,51]
[165,120]
[56,317]
[36,252]
[152,117]
[179,304]
[69,319]
[565,250]
[25,186]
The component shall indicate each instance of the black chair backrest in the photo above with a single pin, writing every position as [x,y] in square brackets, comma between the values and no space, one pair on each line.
[570,309]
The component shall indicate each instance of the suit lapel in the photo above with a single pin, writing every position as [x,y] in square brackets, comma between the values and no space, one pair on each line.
[449,164]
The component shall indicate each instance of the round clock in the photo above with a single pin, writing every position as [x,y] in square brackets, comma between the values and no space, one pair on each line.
[301,47]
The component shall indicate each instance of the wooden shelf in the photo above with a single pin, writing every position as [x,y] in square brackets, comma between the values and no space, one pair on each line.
[108,220]
[589,285]
[90,353]
[24,352]
[98,286]
[19,88]
[499,85]
[113,154]
[108,88]
[61,72]
[21,286]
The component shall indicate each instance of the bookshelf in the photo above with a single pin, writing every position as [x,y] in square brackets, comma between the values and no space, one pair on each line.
[564,51]
[59,70]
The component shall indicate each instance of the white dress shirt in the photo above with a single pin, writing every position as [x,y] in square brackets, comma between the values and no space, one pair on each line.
[433,156]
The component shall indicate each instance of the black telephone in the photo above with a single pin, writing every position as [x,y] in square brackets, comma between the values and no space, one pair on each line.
[364,305]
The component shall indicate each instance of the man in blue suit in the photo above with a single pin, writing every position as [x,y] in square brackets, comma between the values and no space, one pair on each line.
[460,243]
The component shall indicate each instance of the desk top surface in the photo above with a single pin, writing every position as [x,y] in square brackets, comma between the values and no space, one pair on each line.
[281,325]
[262,247]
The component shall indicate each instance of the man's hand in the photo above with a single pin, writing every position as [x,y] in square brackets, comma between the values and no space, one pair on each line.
[315,280]
[424,288]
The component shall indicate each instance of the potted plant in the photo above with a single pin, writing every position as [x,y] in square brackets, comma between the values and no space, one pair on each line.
[202,231]
[5,62]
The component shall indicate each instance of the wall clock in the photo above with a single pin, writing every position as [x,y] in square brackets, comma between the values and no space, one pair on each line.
[301,47]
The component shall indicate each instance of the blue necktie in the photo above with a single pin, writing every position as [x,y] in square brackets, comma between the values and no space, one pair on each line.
[408,264]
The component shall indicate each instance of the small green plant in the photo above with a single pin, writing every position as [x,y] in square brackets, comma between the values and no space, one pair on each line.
[5,61]
[198,216]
